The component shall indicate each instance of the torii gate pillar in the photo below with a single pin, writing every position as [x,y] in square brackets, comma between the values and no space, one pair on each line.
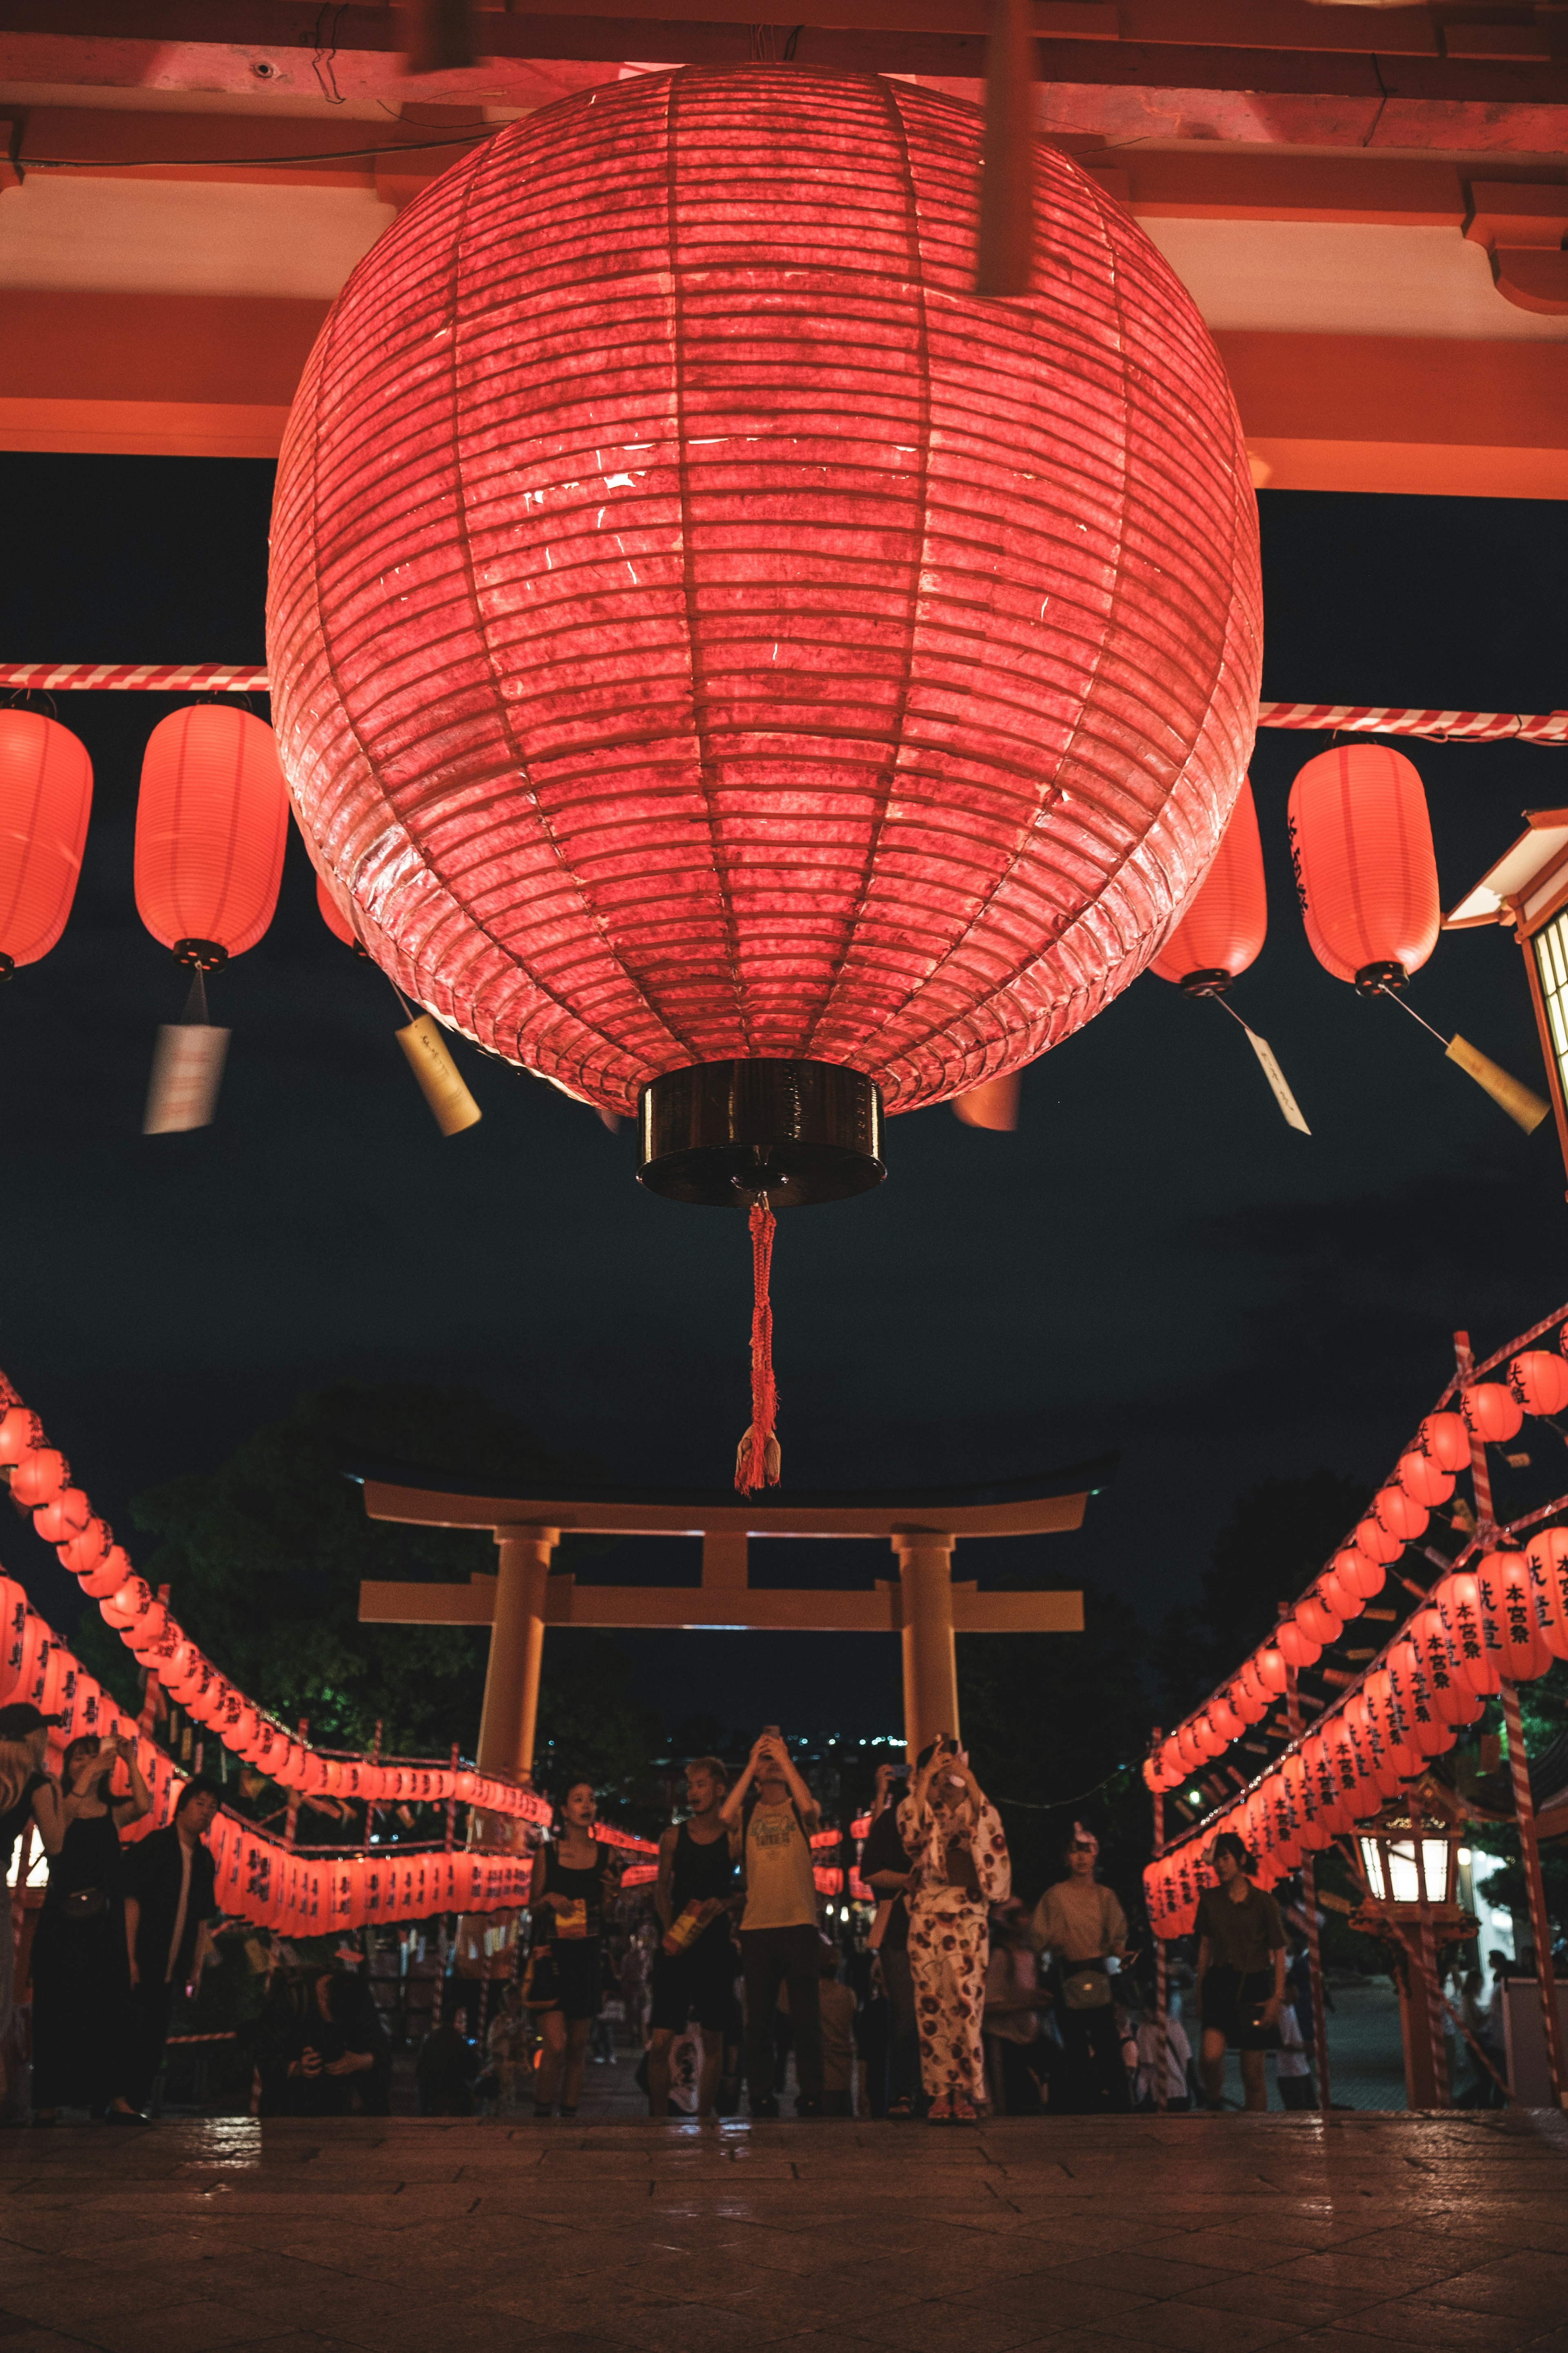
[930,1663]
[511,1716]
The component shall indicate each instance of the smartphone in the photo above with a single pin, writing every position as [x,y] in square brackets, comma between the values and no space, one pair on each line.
[773,1729]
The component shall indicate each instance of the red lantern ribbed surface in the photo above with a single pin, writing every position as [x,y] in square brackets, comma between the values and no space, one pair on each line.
[212,819]
[1362,843]
[1226,918]
[46,798]
[701,629]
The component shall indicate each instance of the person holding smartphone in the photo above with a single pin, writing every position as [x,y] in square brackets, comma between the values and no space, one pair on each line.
[961,1867]
[779,1940]
[1241,1972]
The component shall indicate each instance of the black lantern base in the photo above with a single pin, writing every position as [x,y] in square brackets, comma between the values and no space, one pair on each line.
[718,1133]
[1373,979]
[1204,983]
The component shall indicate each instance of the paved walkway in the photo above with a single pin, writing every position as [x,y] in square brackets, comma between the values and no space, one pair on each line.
[1217,2234]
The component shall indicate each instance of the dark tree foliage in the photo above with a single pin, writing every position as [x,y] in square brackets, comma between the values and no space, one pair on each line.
[1062,1717]
[264,1556]
[1278,1537]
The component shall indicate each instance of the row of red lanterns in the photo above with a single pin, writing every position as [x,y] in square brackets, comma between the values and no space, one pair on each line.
[1490,1413]
[1505,1619]
[63,1515]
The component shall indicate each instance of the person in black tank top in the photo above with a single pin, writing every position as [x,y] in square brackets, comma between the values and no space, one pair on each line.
[694,1970]
[572,1878]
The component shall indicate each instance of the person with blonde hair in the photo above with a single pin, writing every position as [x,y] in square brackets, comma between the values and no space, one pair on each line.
[28,1793]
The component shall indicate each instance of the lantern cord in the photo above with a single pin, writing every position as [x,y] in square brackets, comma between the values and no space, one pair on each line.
[758,1460]
[1414,1016]
[196,1011]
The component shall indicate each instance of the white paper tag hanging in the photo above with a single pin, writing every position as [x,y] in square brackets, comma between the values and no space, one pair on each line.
[1277,1081]
[187,1069]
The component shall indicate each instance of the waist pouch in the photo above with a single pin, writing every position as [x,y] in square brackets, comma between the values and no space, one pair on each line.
[1086,1987]
[86,1904]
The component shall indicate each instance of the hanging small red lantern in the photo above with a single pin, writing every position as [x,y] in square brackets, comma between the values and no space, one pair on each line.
[1400,1514]
[1273,1668]
[1357,1569]
[632,692]
[65,1515]
[1361,843]
[1376,1541]
[1340,1600]
[1507,1628]
[39,1477]
[1296,1646]
[1490,1413]
[1225,922]
[1317,1621]
[1458,1605]
[1539,1381]
[211,820]
[1425,1481]
[20,1432]
[1385,1702]
[1443,1440]
[1225,1720]
[1547,1559]
[1248,1696]
[45,793]
[1431,1733]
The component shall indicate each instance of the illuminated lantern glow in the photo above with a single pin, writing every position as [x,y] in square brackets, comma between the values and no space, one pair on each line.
[1376,1541]
[1248,1695]
[212,821]
[1538,1381]
[20,1432]
[1400,1514]
[1425,1481]
[1443,1440]
[45,800]
[1273,1669]
[1225,1720]
[1360,842]
[39,1477]
[1458,1605]
[66,1514]
[1297,1646]
[1547,1557]
[677,744]
[1225,922]
[1508,1630]
[1490,1413]
[1386,1706]
[1340,1600]
[1357,1569]
[1317,1621]
[85,1551]
[1366,1733]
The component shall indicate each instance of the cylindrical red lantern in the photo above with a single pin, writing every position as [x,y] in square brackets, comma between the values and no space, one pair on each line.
[1273,1670]
[65,1515]
[705,636]
[20,1432]
[1443,1440]
[1317,1621]
[45,791]
[1400,1514]
[1509,1634]
[1362,844]
[1376,1541]
[1424,1479]
[1458,1605]
[211,822]
[1538,1380]
[1359,1570]
[1225,922]
[39,1477]
[1490,1413]
[1297,1645]
[1547,1557]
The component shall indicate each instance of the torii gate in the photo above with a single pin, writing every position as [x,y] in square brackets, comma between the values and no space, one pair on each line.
[924,1605]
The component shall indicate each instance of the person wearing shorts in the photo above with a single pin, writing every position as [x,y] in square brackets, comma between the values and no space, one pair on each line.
[694,1968]
[572,1877]
[1241,1972]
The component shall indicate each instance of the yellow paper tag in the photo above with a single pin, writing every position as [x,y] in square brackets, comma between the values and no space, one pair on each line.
[1276,1079]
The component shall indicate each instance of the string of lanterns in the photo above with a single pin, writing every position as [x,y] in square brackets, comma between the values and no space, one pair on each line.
[1504,1619]
[40,1480]
[1536,1382]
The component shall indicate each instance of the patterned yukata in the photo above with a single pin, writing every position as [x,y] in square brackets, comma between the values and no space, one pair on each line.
[950,1941]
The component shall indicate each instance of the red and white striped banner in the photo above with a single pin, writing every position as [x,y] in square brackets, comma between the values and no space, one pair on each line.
[1324,718]
[149,678]
[1446,726]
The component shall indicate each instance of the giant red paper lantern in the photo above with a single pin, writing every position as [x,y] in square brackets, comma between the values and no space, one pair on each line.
[1362,844]
[45,800]
[1225,922]
[211,820]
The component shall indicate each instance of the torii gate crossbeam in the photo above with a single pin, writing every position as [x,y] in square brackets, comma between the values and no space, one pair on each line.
[924,1605]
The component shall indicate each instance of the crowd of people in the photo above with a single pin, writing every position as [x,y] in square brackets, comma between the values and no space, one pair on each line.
[954,1999]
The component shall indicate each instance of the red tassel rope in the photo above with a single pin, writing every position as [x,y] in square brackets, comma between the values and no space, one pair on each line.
[757,1462]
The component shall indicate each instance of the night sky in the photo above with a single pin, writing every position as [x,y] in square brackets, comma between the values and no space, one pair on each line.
[1152,1265]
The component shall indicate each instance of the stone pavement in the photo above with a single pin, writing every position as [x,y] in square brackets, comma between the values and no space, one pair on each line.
[1219,2234]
